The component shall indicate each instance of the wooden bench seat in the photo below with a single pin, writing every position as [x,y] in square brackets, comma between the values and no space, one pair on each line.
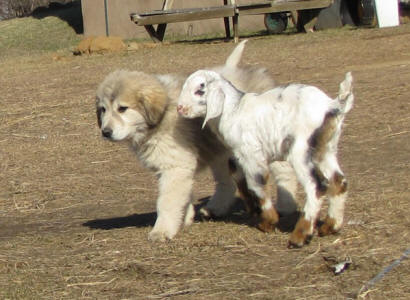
[167,15]
[183,15]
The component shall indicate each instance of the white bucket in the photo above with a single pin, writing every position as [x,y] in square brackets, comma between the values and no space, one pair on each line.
[387,13]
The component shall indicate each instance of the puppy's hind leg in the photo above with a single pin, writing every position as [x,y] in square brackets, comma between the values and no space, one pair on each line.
[173,204]
[286,186]
[224,197]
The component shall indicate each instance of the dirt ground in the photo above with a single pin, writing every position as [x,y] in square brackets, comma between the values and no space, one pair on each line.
[75,210]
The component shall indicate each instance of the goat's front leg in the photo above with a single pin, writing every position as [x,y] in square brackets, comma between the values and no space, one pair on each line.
[247,196]
[173,204]
[258,193]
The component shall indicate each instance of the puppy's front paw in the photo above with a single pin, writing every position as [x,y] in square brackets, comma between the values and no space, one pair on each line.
[158,236]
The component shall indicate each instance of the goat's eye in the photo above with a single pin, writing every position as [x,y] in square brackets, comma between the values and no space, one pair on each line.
[101,109]
[199,92]
[122,109]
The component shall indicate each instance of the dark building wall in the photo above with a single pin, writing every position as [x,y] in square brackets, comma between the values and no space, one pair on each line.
[19,8]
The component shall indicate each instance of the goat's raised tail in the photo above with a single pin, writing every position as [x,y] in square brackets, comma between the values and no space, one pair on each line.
[233,60]
[345,96]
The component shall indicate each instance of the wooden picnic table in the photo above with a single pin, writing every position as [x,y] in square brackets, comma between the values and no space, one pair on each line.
[229,9]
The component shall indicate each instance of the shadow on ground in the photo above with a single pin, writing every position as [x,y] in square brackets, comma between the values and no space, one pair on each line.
[70,13]
[238,215]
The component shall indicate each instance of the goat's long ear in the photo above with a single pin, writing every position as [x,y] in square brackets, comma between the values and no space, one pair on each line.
[214,104]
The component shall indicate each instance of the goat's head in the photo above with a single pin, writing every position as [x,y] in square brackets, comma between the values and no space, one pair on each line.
[202,96]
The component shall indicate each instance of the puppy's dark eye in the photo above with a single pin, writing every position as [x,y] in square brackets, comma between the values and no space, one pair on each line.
[101,109]
[122,109]
[199,92]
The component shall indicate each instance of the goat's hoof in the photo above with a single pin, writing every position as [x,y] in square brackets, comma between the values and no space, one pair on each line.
[302,234]
[294,245]
[269,219]
[296,241]
[308,238]
[266,226]
[299,242]
[327,227]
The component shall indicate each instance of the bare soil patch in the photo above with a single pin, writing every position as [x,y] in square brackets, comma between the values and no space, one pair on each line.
[75,210]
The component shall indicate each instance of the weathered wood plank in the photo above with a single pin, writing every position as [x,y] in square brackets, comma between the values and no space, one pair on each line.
[272,7]
[183,15]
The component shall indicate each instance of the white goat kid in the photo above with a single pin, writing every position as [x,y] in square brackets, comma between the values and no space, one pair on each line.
[297,123]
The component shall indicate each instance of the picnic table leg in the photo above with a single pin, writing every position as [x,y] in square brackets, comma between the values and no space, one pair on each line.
[161,30]
[294,16]
[158,35]
[307,19]
[227,28]
[153,33]
[235,20]
[226,22]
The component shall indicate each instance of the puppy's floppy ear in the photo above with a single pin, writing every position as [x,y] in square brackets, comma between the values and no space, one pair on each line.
[153,102]
[214,103]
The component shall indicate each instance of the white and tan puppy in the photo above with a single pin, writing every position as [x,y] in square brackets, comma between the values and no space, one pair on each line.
[141,108]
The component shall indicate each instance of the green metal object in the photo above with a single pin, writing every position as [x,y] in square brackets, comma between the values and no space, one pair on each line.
[276,22]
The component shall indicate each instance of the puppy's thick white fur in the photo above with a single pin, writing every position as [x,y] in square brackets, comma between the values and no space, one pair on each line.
[141,108]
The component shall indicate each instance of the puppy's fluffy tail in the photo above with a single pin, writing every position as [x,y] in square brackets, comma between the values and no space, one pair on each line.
[345,96]
[233,60]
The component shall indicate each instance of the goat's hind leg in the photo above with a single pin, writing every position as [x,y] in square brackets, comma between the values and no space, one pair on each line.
[315,185]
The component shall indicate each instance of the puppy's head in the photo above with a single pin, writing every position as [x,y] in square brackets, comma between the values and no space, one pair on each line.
[129,104]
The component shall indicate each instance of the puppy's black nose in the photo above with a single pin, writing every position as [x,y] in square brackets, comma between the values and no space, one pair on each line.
[107,132]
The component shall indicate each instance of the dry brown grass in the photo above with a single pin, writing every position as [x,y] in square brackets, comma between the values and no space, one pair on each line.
[75,210]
